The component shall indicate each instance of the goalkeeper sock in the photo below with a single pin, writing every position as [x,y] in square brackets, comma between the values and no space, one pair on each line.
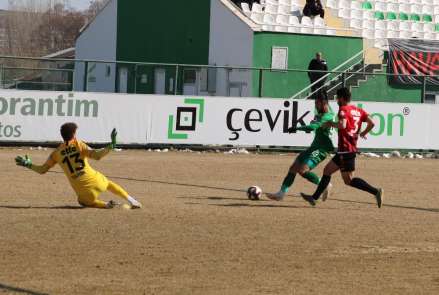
[288,181]
[311,177]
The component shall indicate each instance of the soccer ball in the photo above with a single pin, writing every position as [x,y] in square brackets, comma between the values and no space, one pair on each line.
[254,193]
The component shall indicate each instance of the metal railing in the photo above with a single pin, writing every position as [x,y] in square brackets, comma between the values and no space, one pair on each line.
[337,71]
[188,79]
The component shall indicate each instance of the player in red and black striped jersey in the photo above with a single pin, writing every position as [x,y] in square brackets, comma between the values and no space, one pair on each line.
[350,120]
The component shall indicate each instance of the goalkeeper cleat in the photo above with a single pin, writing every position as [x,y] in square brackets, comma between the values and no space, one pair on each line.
[327,192]
[135,205]
[309,199]
[111,204]
[279,196]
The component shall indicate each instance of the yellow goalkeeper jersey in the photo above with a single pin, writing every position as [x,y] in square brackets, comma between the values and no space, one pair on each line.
[72,157]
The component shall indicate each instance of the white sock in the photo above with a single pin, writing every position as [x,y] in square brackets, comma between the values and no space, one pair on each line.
[132,200]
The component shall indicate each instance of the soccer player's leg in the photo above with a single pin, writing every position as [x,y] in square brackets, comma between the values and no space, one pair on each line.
[289,178]
[119,191]
[90,200]
[313,158]
[347,173]
[330,168]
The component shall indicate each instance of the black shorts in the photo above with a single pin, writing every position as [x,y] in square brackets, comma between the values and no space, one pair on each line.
[346,162]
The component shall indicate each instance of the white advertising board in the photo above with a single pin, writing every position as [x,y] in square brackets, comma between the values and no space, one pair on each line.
[245,121]
[35,116]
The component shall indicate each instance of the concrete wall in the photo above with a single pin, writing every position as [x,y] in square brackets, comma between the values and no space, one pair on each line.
[98,42]
[231,43]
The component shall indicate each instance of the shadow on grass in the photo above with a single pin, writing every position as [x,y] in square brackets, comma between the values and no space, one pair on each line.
[435,210]
[8,289]
[42,207]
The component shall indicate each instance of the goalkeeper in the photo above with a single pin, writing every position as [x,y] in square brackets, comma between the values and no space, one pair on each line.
[316,153]
[72,156]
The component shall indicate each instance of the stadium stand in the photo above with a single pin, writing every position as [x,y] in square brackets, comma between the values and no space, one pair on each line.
[370,19]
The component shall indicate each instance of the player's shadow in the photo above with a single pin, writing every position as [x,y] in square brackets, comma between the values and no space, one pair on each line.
[42,207]
[10,289]
[172,183]
[435,210]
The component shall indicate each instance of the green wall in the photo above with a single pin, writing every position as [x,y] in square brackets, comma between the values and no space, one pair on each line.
[377,88]
[163,32]
[301,49]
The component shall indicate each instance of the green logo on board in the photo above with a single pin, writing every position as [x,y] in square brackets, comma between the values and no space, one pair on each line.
[186,119]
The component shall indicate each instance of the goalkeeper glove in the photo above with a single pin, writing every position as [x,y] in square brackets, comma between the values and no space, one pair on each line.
[23,161]
[113,139]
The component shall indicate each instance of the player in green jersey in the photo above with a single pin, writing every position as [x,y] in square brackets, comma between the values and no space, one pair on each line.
[320,148]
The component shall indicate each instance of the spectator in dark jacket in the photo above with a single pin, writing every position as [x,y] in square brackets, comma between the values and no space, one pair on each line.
[317,64]
[313,8]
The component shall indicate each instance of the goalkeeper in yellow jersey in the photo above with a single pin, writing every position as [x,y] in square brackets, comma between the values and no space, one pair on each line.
[72,156]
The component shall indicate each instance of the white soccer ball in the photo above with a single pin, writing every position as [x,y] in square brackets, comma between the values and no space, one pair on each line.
[254,193]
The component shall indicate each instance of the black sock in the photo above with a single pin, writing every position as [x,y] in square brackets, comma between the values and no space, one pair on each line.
[324,182]
[363,185]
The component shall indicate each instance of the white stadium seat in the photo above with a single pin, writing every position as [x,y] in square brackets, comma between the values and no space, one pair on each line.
[257,17]
[368,14]
[356,14]
[307,25]
[356,23]
[286,10]
[268,22]
[380,6]
[368,34]
[293,21]
[427,9]
[392,34]
[429,36]
[344,13]
[417,27]
[404,8]
[429,28]
[246,9]
[368,24]
[405,34]
[417,35]
[393,26]
[380,25]
[330,32]
[416,9]
[404,26]
[393,7]
[380,34]
[344,4]
[356,5]
[332,3]
[282,21]
[319,22]
[271,9]
[257,8]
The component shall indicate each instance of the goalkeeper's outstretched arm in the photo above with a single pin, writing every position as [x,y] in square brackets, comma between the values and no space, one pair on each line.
[27,162]
[100,153]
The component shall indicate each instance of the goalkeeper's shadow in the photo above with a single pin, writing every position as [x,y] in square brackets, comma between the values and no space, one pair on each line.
[41,207]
